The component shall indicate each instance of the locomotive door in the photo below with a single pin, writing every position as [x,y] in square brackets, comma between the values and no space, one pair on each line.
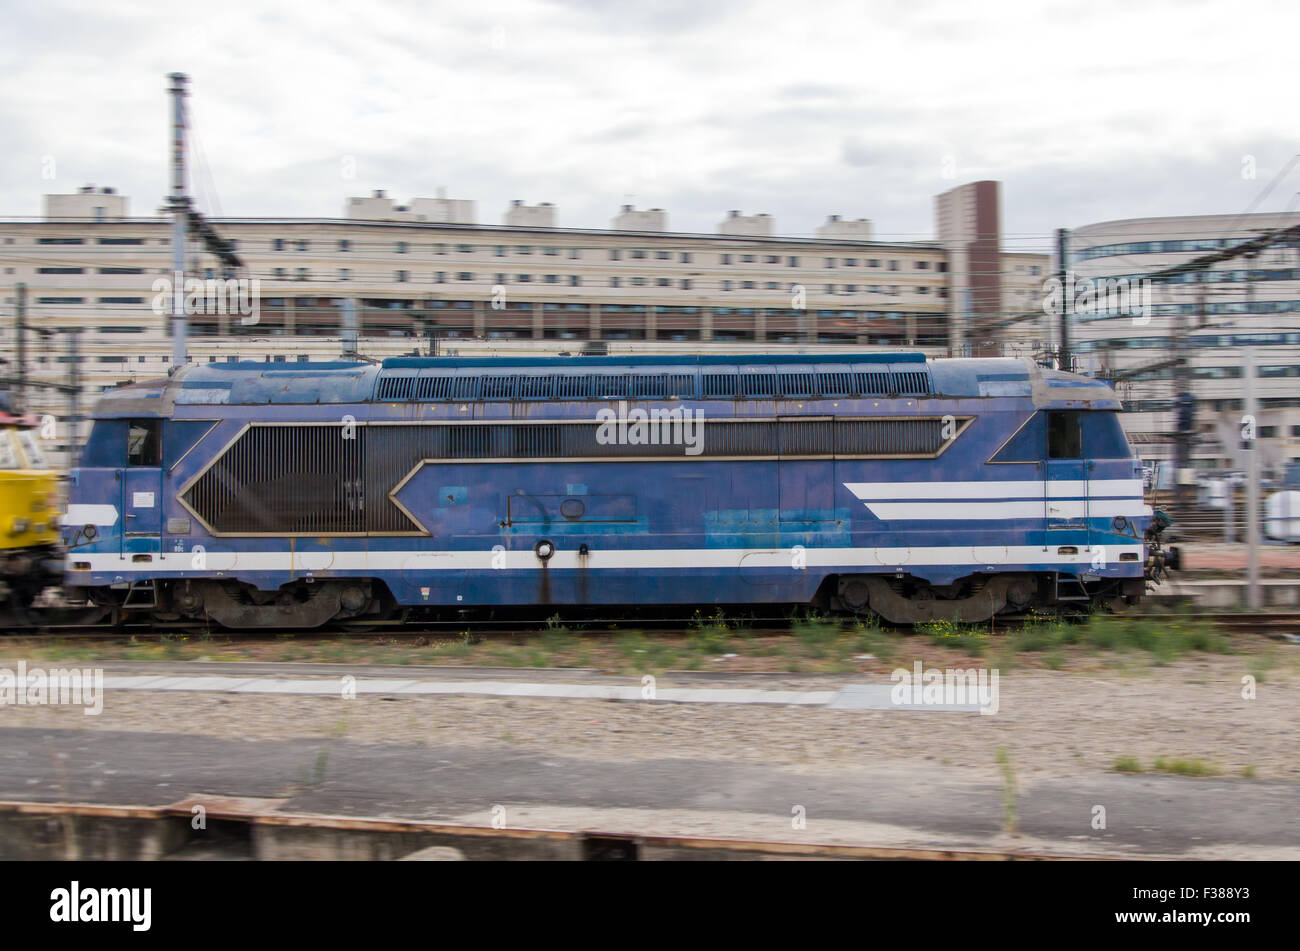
[1067,476]
[142,481]
[807,485]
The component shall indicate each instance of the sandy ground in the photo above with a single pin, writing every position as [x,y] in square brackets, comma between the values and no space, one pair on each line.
[1052,724]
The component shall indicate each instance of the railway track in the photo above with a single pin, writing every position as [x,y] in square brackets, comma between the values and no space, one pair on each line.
[1276,624]
[1279,625]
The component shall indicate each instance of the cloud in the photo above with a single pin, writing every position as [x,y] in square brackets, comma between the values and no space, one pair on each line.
[1084,111]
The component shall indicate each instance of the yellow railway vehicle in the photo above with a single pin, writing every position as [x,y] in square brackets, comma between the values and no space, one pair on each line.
[29,513]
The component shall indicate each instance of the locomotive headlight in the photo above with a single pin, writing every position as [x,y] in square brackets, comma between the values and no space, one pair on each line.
[544,549]
[18,526]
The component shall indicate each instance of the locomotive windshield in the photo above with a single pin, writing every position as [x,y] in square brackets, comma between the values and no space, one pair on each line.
[8,455]
[32,450]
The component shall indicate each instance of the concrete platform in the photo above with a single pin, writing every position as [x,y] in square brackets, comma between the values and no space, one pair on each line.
[918,805]
[1230,558]
[1227,593]
[337,685]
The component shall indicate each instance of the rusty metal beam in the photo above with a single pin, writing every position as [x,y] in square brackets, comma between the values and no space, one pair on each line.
[263,814]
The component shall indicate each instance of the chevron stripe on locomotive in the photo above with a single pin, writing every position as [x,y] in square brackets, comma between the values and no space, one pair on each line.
[261,495]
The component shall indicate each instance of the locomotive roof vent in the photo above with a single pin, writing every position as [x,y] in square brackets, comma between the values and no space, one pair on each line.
[714,382]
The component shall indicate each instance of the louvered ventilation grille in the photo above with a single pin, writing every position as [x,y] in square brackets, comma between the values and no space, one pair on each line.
[656,386]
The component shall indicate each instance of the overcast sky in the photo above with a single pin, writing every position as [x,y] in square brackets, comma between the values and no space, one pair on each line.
[1086,111]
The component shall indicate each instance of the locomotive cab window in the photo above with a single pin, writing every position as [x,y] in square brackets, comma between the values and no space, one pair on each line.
[1064,437]
[144,442]
[32,450]
[8,458]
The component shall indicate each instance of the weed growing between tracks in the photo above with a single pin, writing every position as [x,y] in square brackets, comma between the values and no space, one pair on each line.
[1010,820]
[1176,766]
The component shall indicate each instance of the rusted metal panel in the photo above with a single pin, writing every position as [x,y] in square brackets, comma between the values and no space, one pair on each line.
[93,831]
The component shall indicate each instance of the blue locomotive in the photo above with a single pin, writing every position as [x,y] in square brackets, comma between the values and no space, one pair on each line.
[266,495]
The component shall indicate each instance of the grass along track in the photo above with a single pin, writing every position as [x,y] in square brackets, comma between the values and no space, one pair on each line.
[815,645]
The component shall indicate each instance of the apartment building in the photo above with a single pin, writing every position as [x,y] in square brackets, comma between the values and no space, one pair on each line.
[424,274]
[1242,302]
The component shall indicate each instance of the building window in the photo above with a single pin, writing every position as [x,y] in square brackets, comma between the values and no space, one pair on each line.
[614,282]
[922,265]
[726,259]
[792,261]
[663,255]
[278,273]
[893,265]
[400,277]
[873,262]
[552,278]
[465,276]
[772,259]
[637,255]
[303,244]
[746,259]
[638,282]
[686,257]
[850,262]
[523,278]
[465,248]
[345,244]
[575,281]
[830,262]
[401,247]
[574,254]
[344,274]
[614,255]
[440,277]
[746,285]
[302,274]
[523,249]
[551,251]
[726,285]
[277,244]
[686,285]
[439,249]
